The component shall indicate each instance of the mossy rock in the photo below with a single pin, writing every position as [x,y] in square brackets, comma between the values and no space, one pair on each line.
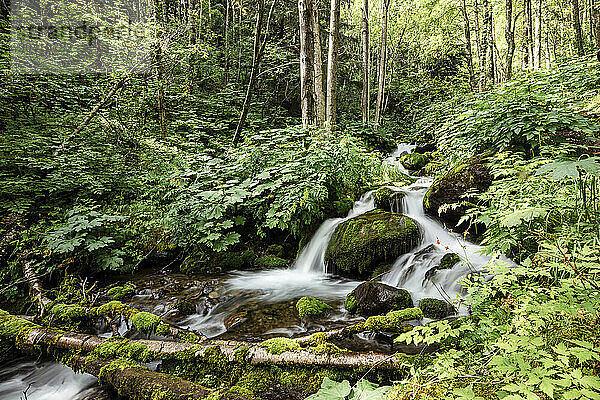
[310,307]
[270,262]
[360,244]
[449,260]
[393,322]
[374,298]
[186,307]
[467,176]
[231,260]
[426,147]
[385,198]
[414,161]
[120,292]
[435,308]
[342,207]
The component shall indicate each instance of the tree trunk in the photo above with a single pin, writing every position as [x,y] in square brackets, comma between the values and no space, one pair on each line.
[596,24]
[27,335]
[334,31]
[527,35]
[537,39]
[491,43]
[509,34]
[577,28]
[318,67]
[226,67]
[307,79]
[366,64]
[469,47]
[382,61]
[484,47]
[158,60]
[257,53]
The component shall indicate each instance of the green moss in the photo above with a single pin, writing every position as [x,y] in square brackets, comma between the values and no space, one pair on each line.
[113,309]
[186,307]
[270,262]
[403,300]
[69,314]
[350,303]
[123,348]
[434,308]
[393,321]
[280,345]
[414,161]
[383,198]
[275,250]
[231,260]
[120,292]
[312,307]
[449,260]
[342,207]
[360,244]
[318,344]
[145,321]
[12,331]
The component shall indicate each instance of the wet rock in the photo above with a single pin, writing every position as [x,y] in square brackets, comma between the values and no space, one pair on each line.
[374,298]
[435,308]
[341,208]
[469,176]
[387,199]
[235,319]
[360,244]
[310,307]
[448,261]
[414,161]
[186,306]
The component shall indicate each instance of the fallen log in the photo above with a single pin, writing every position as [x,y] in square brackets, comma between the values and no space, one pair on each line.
[137,382]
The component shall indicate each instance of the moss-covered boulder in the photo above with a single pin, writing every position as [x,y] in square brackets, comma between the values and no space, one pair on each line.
[469,176]
[435,308]
[310,307]
[374,298]
[414,161]
[387,199]
[425,147]
[120,292]
[360,244]
[393,322]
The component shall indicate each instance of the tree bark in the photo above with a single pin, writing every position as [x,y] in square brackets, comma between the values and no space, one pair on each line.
[577,28]
[334,31]
[256,56]
[382,61]
[537,39]
[158,60]
[484,46]
[467,29]
[226,66]
[509,34]
[307,79]
[596,24]
[31,336]
[320,115]
[366,64]
[527,35]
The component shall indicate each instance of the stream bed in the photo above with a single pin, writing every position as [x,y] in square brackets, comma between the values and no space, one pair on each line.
[256,305]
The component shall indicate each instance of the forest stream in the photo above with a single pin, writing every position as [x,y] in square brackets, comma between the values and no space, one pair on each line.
[257,305]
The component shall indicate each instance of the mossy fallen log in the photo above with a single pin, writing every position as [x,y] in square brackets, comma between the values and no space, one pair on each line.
[134,381]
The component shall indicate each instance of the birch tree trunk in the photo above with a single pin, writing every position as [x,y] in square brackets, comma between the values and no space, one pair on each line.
[382,61]
[307,79]
[332,61]
[318,67]
[366,64]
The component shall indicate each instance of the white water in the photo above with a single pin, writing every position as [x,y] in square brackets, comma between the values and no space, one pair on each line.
[47,381]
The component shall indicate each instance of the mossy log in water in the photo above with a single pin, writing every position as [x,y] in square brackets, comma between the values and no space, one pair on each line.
[134,381]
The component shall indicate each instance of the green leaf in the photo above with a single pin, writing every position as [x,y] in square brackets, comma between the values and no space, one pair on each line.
[331,390]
